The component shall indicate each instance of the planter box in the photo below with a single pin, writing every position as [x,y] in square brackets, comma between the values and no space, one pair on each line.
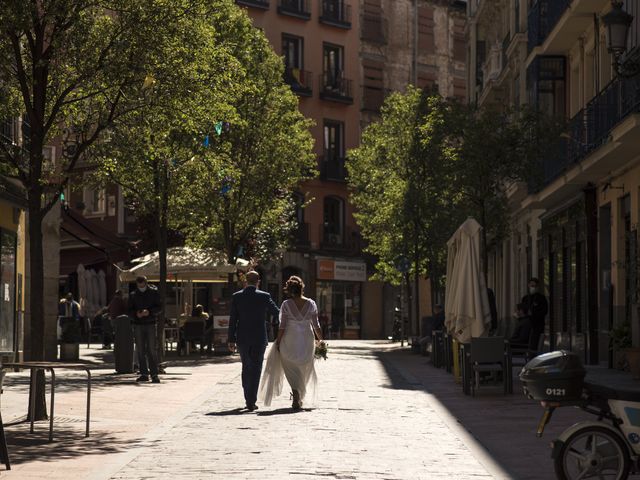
[69,351]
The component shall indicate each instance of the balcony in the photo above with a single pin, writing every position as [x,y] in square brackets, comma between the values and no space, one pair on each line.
[333,168]
[339,239]
[300,236]
[262,4]
[301,81]
[295,8]
[336,88]
[543,17]
[593,127]
[336,13]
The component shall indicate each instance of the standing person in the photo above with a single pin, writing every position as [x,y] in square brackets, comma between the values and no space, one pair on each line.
[248,332]
[294,349]
[144,307]
[535,306]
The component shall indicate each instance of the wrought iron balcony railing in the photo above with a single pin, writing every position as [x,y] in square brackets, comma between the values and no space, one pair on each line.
[336,88]
[336,13]
[333,168]
[301,81]
[543,17]
[300,235]
[340,238]
[295,8]
[592,126]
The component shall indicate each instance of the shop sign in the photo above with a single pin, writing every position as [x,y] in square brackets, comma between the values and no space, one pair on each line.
[339,270]
[221,321]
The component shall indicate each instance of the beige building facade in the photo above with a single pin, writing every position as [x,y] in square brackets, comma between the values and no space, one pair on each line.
[577,231]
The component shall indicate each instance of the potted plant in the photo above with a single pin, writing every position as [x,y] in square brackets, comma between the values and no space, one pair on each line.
[70,339]
[620,341]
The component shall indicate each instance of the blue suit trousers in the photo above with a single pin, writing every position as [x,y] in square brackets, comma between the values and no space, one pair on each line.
[252,357]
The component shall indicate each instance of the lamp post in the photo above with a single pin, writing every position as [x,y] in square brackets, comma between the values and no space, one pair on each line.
[617,23]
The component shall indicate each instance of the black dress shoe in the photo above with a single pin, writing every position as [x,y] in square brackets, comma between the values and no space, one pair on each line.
[142,378]
[252,408]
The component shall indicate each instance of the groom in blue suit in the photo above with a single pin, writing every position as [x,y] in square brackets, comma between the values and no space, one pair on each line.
[248,332]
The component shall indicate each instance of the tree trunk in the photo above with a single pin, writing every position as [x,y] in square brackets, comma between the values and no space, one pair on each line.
[162,285]
[36,300]
[407,278]
[416,268]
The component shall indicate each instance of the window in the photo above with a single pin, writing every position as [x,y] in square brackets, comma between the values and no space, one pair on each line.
[8,251]
[292,50]
[333,221]
[94,201]
[336,13]
[294,73]
[546,80]
[332,66]
[333,159]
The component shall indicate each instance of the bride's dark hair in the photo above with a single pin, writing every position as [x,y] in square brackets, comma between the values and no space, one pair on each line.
[294,286]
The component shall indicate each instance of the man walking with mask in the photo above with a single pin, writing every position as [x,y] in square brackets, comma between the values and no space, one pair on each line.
[535,305]
[144,307]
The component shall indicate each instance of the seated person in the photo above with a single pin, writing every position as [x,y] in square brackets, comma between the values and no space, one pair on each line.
[198,315]
[522,332]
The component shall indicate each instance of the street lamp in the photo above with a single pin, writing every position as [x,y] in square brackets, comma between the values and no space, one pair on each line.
[617,23]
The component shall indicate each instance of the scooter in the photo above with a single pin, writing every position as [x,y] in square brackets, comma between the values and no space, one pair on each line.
[605,448]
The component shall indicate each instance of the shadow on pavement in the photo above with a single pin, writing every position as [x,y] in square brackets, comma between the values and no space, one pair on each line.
[68,442]
[282,411]
[504,425]
[226,413]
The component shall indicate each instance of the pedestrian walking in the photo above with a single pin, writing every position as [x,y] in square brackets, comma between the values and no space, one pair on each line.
[144,307]
[248,333]
[535,305]
[293,353]
[68,313]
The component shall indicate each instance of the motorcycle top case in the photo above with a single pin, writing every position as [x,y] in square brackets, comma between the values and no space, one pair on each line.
[554,377]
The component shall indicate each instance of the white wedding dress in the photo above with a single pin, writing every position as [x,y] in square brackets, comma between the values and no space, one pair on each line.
[295,359]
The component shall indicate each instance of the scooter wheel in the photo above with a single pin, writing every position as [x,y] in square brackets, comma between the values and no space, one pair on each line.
[593,452]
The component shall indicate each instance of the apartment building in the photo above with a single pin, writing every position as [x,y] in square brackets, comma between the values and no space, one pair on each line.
[577,231]
[407,42]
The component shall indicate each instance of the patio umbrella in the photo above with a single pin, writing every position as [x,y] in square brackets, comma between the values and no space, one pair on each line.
[467,304]
[102,288]
[82,286]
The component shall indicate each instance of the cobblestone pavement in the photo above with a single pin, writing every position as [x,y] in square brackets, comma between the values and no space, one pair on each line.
[369,423]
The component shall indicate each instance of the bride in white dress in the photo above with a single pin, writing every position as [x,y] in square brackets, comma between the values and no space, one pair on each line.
[292,354]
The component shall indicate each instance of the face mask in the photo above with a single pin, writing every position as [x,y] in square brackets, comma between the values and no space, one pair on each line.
[142,289]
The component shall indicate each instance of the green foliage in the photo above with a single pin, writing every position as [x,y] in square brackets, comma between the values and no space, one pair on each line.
[240,201]
[428,164]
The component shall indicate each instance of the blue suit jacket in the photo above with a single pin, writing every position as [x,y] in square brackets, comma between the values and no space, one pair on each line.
[249,309]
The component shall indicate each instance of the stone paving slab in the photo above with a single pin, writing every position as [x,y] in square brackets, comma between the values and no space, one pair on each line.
[364,427]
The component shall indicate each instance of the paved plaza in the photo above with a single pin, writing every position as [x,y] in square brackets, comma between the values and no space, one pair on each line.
[381,413]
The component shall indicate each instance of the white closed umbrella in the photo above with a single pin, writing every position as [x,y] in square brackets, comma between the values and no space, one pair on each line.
[82,286]
[102,288]
[467,312]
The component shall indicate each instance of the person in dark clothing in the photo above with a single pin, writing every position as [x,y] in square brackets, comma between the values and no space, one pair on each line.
[248,332]
[144,307]
[433,323]
[522,332]
[535,305]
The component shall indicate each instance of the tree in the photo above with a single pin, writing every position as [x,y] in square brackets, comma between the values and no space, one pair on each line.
[400,178]
[495,148]
[149,150]
[241,203]
[71,69]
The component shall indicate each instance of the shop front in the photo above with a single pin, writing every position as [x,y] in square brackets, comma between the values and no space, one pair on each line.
[339,287]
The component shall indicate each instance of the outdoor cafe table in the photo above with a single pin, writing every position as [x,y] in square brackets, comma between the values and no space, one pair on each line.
[51,367]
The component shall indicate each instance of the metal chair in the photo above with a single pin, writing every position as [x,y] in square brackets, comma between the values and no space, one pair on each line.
[488,354]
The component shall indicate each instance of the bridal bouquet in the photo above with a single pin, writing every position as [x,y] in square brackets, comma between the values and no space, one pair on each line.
[321,349]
